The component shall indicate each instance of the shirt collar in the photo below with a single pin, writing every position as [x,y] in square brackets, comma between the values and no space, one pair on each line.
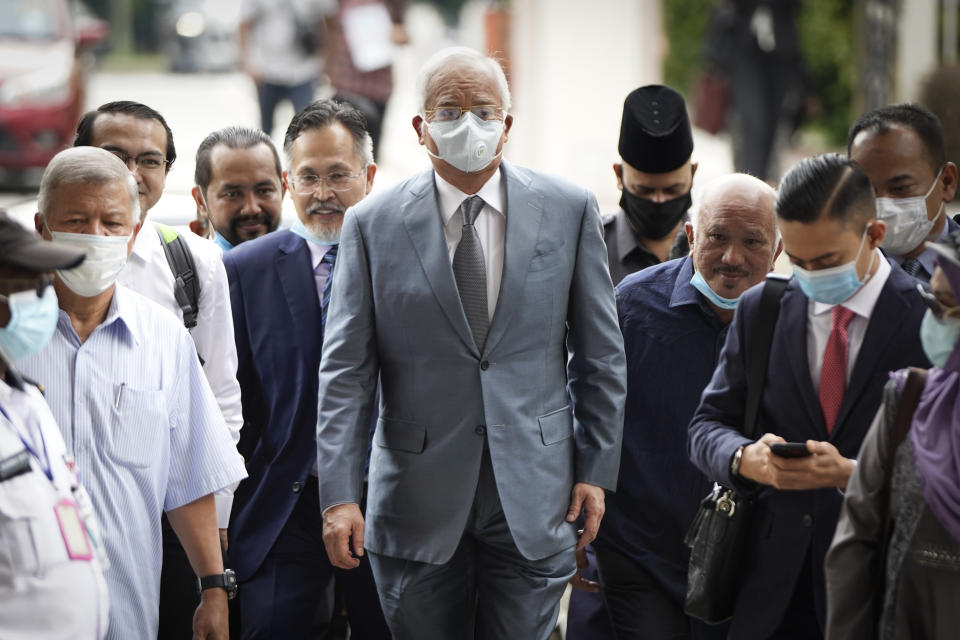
[449,197]
[626,240]
[865,299]
[317,251]
[122,310]
[683,291]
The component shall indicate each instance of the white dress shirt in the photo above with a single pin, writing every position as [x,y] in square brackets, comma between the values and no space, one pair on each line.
[137,414]
[148,273]
[820,319]
[491,225]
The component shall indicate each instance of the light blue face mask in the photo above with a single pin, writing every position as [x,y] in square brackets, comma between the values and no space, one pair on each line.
[33,320]
[938,338]
[715,298]
[833,285]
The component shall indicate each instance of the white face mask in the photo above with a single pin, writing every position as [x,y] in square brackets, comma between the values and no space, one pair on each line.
[906,220]
[469,143]
[106,256]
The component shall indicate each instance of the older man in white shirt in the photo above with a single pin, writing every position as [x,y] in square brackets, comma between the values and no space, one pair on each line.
[124,381]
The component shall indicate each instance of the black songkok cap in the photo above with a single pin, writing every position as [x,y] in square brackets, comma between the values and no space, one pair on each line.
[655,135]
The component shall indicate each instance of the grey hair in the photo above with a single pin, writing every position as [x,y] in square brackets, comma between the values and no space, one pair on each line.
[461,56]
[90,165]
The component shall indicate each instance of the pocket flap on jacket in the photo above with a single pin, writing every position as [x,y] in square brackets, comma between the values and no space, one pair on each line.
[401,435]
[556,426]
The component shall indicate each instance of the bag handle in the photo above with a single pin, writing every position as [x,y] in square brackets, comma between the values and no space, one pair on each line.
[773,289]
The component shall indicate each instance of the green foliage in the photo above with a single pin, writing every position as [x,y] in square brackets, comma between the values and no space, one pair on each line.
[826,30]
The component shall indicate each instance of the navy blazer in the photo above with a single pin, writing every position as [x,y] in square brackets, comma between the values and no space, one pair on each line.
[788,524]
[276,316]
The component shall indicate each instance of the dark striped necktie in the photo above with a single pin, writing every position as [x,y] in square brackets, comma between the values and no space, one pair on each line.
[912,266]
[470,272]
[330,258]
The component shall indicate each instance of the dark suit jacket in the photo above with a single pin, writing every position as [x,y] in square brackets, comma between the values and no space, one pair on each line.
[276,315]
[789,524]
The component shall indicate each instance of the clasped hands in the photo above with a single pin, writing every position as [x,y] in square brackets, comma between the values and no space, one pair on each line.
[825,468]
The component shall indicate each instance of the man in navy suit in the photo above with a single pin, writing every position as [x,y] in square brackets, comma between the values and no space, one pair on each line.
[278,285]
[846,319]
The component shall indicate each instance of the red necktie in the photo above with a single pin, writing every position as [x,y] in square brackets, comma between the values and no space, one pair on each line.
[833,375]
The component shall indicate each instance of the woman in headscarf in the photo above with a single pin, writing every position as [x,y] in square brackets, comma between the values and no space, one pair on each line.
[893,570]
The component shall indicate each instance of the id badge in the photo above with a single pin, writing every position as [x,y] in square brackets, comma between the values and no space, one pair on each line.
[85,509]
[73,532]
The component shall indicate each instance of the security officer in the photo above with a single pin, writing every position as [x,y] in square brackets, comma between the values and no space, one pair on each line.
[655,176]
[51,581]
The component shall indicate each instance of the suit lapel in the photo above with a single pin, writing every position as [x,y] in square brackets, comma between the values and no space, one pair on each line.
[524,214]
[890,305]
[424,224]
[794,315]
[299,287]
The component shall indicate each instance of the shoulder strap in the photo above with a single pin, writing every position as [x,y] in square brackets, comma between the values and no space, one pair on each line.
[906,406]
[186,285]
[773,290]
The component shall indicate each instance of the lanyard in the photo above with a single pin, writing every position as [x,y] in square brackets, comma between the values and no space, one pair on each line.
[43,463]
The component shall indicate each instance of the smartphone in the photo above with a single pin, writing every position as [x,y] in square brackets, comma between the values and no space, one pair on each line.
[790,449]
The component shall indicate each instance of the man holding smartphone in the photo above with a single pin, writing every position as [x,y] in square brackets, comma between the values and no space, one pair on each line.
[846,319]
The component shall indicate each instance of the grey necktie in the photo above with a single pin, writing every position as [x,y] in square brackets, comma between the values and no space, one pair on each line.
[471,272]
[912,266]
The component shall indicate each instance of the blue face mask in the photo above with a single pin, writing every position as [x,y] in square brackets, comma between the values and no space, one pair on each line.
[715,298]
[938,338]
[833,285]
[33,320]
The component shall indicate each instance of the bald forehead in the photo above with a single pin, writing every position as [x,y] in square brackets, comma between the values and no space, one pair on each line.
[742,196]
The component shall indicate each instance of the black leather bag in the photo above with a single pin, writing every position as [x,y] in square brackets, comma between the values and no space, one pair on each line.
[716,537]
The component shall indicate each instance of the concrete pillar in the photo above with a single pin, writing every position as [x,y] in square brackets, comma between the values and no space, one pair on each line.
[918,37]
[573,63]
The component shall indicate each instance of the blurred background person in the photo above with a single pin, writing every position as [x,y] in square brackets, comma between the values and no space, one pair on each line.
[281,49]
[51,576]
[361,69]
[754,43]
[239,185]
[915,483]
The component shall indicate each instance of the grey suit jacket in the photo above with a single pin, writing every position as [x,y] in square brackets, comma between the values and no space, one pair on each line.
[395,311]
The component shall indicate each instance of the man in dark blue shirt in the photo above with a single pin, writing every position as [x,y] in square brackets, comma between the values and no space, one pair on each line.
[674,318]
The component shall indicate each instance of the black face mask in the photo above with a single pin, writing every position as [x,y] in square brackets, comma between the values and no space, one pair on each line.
[651,219]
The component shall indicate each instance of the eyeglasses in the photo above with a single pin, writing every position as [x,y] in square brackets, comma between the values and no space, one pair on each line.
[449,114]
[936,307]
[337,181]
[10,286]
[148,161]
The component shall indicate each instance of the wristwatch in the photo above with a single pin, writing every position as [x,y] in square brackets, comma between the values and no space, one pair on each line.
[735,462]
[226,581]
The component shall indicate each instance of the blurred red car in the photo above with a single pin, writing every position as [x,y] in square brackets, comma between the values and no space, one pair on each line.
[42,80]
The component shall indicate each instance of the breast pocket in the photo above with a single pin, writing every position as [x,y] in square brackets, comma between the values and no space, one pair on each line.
[140,428]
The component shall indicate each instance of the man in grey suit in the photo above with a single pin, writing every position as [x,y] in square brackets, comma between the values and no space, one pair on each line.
[479,293]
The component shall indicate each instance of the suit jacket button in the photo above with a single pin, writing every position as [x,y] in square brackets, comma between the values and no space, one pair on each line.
[807,520]
[480,430]
[297,486]
[484,365]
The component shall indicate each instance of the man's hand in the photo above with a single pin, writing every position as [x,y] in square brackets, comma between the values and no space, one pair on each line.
[211,619]
[588,498]
[578,581]
[341,524]
[825,468]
